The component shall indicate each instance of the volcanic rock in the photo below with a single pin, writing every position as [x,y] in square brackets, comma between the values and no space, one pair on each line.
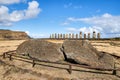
[82,52]
[41,50]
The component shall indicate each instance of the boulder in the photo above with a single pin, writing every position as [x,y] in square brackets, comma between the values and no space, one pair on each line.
[41,50]
[82,52]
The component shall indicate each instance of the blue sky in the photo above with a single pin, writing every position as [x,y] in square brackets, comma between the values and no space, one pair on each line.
[40,18]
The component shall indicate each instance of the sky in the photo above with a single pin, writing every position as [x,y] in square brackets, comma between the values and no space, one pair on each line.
[40,18]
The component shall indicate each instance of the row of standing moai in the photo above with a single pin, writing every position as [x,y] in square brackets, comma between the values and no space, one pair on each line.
[75,36]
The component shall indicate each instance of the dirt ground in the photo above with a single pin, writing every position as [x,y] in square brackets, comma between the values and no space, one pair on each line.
[19,70]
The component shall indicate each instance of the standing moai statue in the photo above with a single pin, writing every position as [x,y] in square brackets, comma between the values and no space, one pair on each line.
[80,35]
[66,35]
[88,35]
[50,36]
[55,35]
[60,35]
[94,34]
[72,35]
[98,35]
[63,36]
[76,36]
[84,36]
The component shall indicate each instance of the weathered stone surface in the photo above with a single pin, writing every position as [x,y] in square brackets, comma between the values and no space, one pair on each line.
[42,50]
[83,52]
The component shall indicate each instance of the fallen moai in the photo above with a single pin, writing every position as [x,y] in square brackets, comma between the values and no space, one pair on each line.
[42,50]
[82,52]
[78,51]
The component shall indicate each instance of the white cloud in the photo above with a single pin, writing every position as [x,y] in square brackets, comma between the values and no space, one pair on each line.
[7,19]
[9,1]
[32,10]
[105,23]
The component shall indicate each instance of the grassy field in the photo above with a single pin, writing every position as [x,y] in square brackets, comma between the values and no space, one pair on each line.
[24,71]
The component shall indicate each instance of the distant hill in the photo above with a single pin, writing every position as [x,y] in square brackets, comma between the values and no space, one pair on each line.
[13,35]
